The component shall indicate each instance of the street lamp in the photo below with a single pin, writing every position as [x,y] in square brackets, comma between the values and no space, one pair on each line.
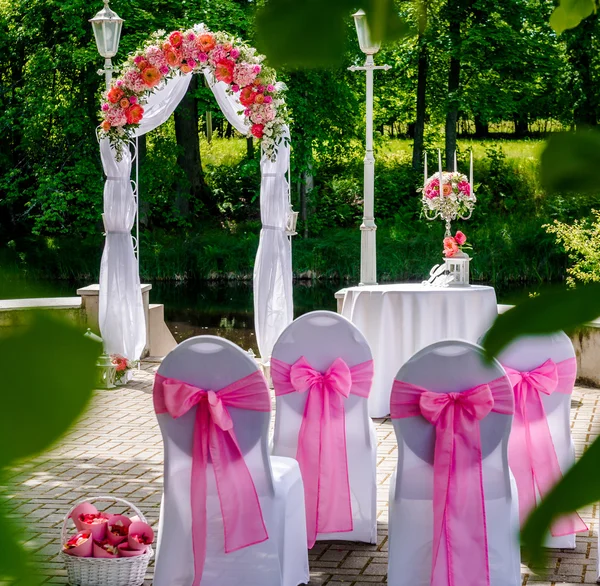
[107,31]
[368,253]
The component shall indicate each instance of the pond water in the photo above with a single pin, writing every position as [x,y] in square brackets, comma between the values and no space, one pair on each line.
[222,308]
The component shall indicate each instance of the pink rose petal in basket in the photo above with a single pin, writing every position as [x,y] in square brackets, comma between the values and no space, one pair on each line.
[100,552]
[140,535]
[117,520]
[84,550]
[82,509]
[130,553]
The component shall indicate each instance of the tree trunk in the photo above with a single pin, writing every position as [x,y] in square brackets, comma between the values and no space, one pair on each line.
[249,147]
[454,18]
[482,129]
[521,125]
[580,52]
[422,67]
[194,190]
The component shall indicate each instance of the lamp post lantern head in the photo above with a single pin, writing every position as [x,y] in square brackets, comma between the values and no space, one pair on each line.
[107,31]
[367,45]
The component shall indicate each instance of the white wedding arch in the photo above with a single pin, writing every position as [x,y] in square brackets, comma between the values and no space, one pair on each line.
[151,84]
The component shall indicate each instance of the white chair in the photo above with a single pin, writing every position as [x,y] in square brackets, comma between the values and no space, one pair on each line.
[321,337]
[212,363]
[527,354]
[452,366]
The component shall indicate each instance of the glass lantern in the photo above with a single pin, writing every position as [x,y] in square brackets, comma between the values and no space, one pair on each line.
[107,31]
[458,267]
[367,45]
[290,222]
[105,369]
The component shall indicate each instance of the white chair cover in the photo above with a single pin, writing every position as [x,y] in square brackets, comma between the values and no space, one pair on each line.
[450,366]
[321,337]
[526,354]
[211,363]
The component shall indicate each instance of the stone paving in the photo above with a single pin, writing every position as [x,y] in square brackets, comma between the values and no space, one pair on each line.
[116,449]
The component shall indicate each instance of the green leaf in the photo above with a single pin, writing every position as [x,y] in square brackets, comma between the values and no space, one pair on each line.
[570,13]
[560,309]
[570,162]
[14,560]
[312,33]
[49,373]
[578,488]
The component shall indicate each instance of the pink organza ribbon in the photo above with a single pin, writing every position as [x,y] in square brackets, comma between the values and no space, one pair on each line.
[243,523]
[458,497]
[531,452]
[321,450]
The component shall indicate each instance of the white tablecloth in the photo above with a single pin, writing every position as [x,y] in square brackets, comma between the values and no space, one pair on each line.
[401,319]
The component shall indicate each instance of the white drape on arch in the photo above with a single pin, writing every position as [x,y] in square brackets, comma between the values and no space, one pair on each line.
[121,312]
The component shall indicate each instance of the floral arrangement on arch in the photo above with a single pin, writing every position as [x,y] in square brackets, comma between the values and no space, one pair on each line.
[193,51]
[454,200]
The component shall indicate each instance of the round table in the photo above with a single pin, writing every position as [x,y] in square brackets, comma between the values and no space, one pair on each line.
[401,319]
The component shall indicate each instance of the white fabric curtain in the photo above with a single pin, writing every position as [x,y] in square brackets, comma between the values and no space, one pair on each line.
[121,312]
[273,302]
[229,104]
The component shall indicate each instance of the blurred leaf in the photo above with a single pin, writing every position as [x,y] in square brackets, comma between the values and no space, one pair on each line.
[578,488]
[48,371]
[14,560]
[561,309]
[570,13]
[312,33]
[571,160]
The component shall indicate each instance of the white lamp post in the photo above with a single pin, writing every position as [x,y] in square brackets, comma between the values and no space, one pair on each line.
[107,31]
[368,253]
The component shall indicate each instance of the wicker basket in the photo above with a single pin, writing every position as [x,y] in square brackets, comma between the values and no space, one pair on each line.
[105,571]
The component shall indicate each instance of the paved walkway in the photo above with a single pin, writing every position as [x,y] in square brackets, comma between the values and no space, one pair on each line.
[116,449]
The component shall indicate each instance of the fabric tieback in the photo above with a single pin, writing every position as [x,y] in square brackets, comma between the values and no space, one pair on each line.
[214,434]
[321,453]
[458,496]
[531,451]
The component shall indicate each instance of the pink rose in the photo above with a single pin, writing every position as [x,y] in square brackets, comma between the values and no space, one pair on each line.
[202,57]
[105,107]
[257,69]
[235,88]
[460,238]
[450,247]
[464,187]
[257,130]
[234,53]
[268,100]
[271,88]
[191,63]
[164,69]
[132,99]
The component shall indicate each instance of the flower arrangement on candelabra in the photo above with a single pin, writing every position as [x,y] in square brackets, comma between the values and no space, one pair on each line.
[449,196]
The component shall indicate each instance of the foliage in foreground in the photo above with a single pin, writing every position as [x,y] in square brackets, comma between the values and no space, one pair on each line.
[48,371]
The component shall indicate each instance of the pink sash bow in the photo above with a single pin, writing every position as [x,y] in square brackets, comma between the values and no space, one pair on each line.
[243,522]
[531,452]
[321,450]
[458,497]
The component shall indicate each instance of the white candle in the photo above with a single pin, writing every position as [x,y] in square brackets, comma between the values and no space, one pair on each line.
[471,170]
[425,179]
[440,164]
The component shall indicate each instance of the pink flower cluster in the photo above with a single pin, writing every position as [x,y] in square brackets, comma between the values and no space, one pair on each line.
[187,52]
[453,244]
